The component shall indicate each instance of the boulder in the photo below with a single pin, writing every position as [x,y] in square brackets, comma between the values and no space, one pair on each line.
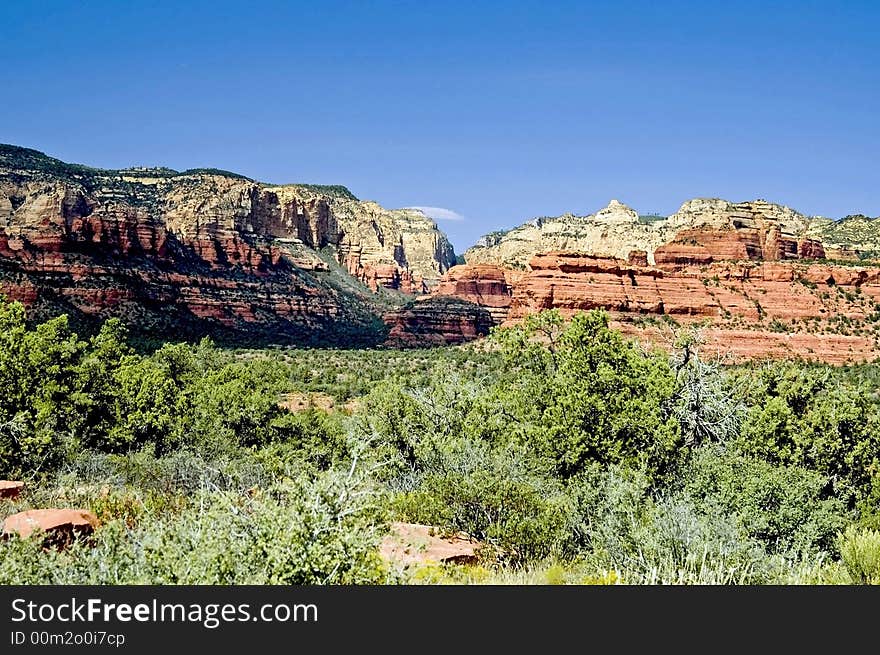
[412,543]
[60,526]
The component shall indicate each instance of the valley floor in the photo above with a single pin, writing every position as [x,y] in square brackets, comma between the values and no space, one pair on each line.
[555,452]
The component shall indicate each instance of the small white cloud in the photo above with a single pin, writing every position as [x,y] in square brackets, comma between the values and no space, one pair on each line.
[439,213]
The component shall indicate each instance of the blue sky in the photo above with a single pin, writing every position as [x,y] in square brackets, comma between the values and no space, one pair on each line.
[494,111]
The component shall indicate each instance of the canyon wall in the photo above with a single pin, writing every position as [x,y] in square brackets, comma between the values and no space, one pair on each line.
[205,250]
[750,309]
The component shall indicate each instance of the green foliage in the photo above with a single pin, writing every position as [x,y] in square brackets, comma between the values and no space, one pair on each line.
[323,531]
[37,377]
[573,453]
[809,418]
[860,552]
[214,171]
[309,438]
[782,507]
[332,190]
[581,393]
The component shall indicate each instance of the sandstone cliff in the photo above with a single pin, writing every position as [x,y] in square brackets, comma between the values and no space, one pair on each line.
[204,249]
[484,285]
[701,231]
[752,309]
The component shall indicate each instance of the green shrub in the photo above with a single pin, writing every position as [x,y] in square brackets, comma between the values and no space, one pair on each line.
[321,531]
[784,508]
[581,393]
[860,552]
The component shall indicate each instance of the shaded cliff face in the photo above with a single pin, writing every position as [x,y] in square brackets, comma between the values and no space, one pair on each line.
[701,231]
[205,251]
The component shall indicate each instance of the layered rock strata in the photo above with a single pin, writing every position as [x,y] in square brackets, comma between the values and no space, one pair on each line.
[437,321]
[483,285]
[752,309]
[205,251]
[701,231]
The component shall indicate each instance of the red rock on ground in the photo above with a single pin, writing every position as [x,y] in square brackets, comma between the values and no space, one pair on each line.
[10,489]
[60,525]
[412,543]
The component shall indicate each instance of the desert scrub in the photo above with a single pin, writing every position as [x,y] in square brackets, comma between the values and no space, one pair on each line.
[308,531]
[860,553]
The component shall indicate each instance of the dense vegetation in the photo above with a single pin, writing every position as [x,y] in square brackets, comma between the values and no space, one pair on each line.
[576,455]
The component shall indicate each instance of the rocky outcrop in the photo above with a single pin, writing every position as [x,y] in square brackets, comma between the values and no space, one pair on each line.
[11,489]
[483,285]
[638,258]
[205,251]
[404,238]
[703,230]
[59,526]
[706,246]
[614,231]
[225,219]
[753,309]
[754,291]
[816,311]
[412,543]
[436,321]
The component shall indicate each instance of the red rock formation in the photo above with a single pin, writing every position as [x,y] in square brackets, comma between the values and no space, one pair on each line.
[204,252]
[385,276]
[734,346]
[755,309]
[133,268]
[842,254]
[481,284]
[638,258]
[437,320]
[704,246]
[60,526]
[573,282]
[811,249]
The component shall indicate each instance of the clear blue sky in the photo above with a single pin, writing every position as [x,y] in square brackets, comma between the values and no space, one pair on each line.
[498,111]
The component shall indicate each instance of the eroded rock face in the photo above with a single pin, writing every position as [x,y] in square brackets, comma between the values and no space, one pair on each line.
[436,321]
[754,309]
[480,284]
[203,249]
[61,526]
